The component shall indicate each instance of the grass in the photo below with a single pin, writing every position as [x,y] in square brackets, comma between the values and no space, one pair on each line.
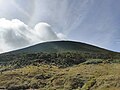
[48,77]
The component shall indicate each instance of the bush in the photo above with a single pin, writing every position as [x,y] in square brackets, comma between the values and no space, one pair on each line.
[42,76]
[74,83]
[18,87]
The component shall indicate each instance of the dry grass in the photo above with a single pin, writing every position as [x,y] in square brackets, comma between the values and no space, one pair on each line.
[79,77]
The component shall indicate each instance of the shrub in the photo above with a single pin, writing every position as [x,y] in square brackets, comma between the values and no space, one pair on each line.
[18,87]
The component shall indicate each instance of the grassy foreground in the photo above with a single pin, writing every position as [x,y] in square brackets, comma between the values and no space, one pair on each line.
[48,77]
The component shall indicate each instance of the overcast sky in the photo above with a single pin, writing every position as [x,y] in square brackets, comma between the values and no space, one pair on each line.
[27,22]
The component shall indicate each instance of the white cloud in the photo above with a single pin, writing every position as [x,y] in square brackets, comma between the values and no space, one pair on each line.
[44,32]
[61,36]
[14,34]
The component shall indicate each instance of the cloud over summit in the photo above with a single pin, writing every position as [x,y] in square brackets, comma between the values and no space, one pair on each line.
[14,34]
[46,30]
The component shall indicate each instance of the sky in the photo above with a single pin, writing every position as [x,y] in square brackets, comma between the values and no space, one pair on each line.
[28,22]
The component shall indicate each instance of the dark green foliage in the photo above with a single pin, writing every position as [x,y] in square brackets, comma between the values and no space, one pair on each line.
[59,53]
[59,59]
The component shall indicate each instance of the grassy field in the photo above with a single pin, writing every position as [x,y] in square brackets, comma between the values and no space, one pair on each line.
[48,77]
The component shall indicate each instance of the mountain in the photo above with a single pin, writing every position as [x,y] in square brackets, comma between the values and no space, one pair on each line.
[60,65]
[62,53]
[62,46]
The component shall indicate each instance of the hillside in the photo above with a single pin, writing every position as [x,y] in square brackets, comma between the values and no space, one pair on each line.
[58,52]
[60,65]
[62,46]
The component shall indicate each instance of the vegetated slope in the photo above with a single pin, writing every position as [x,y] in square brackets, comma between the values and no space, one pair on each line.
[65,53]
[62,46]
[60,65]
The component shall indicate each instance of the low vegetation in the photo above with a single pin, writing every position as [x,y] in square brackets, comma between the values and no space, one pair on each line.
[50,77]
[60,71]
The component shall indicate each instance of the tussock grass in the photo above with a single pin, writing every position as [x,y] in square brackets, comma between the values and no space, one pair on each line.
[49,77]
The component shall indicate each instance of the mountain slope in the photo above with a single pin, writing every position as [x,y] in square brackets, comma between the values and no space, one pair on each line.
[62,46]
[60,65]
[62,53]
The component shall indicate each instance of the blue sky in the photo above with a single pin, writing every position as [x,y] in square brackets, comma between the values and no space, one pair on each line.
[95,22]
